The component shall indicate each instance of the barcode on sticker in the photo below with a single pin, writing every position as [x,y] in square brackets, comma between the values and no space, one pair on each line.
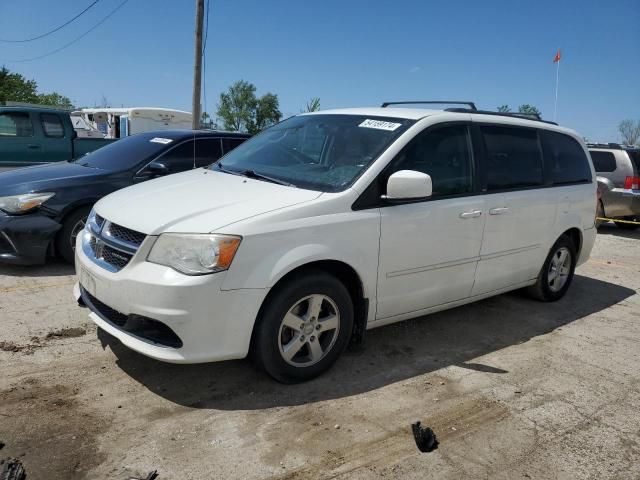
[380,125]
[164,141]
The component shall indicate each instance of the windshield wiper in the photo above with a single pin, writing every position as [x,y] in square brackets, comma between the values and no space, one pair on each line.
[259,176]
[255,175]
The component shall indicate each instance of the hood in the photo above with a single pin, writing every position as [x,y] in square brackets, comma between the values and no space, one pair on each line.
[198,201]
[42,178]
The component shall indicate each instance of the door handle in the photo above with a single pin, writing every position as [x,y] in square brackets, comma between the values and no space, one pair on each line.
[472,214]
[498,210]
[33,146]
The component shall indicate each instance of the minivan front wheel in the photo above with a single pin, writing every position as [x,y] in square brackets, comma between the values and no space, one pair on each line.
[556,273]
[303,327]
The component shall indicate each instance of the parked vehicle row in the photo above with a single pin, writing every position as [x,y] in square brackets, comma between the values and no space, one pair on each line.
[618,172]
[43,208]
[334,222]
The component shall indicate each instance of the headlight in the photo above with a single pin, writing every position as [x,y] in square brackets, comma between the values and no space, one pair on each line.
[194,254]
[23,203]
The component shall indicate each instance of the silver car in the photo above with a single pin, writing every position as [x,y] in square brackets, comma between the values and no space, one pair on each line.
[618,171]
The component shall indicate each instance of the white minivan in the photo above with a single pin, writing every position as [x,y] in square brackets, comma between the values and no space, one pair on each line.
[334,222]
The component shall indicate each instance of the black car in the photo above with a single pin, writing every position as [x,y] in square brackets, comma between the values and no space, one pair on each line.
[43,208]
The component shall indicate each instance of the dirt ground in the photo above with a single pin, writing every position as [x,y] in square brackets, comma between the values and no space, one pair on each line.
[513,389]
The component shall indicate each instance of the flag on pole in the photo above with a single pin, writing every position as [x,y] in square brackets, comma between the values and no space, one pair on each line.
[557,57]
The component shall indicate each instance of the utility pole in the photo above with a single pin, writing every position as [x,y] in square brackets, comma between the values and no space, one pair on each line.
[197,67]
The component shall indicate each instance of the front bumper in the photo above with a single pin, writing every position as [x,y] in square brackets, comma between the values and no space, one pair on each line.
[211,324]
[621,202]
[24,239]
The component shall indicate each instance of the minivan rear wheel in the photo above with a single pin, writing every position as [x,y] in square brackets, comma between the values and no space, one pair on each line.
[304,327]
[556,273]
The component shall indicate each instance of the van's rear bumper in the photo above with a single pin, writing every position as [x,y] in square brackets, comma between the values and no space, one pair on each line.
[621,202]
[588,239]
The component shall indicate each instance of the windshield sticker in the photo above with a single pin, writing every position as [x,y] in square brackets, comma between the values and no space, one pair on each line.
[380,125]
[164,141]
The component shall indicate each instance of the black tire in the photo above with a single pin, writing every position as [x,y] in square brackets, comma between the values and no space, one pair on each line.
[599,213]
[65,243]
[542,290]
[270,328]
[627,226]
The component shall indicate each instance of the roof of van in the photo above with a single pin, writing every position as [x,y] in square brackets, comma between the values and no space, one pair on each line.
[419,113]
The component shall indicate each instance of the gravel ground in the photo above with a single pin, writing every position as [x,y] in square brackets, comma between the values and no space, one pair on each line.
[513,389]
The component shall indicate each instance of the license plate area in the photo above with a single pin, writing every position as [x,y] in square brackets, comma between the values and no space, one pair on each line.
[87,281]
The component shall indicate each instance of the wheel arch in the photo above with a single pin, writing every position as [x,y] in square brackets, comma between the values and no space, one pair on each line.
[576,237]
[346,274]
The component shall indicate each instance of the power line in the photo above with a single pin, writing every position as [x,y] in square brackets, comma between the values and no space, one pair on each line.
[52,31]
[75,39]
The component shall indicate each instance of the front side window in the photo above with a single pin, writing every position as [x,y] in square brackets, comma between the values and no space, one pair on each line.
[324,152]
[603,161]
[51,125]
[15,124]
[514,159]
[565,160]
[442,153]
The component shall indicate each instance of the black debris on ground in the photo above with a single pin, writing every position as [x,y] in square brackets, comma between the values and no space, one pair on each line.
[152,476]
[13,470]
[426,440]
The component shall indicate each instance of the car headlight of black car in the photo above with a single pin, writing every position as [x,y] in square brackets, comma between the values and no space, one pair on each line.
[23,203]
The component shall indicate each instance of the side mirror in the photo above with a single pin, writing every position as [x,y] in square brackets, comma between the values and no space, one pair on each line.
[156,169]
[408,185]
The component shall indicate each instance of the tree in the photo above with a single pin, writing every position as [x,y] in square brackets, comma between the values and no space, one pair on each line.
[55,99]
[504,108]
[241,110]
[16,88]
[527,109]
[312,105]
[629,131]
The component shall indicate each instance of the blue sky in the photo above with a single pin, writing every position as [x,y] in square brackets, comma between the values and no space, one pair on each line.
[347,52]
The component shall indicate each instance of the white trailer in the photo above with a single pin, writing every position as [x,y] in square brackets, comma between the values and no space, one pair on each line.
[122,122]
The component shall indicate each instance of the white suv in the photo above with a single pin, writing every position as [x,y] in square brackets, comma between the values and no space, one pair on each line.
[334,222]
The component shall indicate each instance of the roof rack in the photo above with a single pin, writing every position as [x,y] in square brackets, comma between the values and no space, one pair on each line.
[604,145]
[472,106]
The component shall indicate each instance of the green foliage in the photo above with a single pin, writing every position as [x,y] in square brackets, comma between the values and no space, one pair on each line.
[312,105]
[504,108]
[527,109]
[630,132]
[15,88]
[240,109]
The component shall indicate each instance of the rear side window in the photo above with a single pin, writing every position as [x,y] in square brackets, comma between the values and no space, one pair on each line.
[444,154]
[231,143]
[179,158]
[52,125]
[208,151]
[15,124]
[635,158]
[565,160]
[603,161]
[514,159]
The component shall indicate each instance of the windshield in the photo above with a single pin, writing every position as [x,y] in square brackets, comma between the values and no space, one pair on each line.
[317,152]
[125,154]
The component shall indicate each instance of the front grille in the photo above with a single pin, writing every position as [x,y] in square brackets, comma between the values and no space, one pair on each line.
[125,234]
[145,328]
[115,257]
[110,245]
